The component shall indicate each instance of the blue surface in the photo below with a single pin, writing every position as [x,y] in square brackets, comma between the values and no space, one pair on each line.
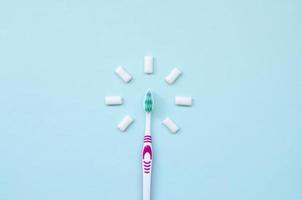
[242,64]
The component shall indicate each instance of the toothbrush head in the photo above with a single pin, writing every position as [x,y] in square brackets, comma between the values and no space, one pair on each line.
[148,102]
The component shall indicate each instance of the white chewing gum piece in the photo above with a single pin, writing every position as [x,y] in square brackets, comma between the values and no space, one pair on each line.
[148,64]
[113,100]
[170,125]
[125,123]
[173,76]
[183,101]
[123,74]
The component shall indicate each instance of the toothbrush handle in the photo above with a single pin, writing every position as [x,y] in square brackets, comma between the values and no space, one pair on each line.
[147,155]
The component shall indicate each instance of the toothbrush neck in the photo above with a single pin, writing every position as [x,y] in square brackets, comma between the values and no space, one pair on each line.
[148,124]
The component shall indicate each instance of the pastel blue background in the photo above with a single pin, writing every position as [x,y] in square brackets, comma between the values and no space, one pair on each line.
[242,64]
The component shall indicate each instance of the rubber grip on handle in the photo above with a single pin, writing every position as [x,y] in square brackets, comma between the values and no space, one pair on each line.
[147,155]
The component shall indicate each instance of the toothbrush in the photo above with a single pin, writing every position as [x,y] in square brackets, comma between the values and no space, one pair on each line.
[147,153]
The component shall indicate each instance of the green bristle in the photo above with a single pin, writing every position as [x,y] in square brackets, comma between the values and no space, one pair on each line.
[148,102]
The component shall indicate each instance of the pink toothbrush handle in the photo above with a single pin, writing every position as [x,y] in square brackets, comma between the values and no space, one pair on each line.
[147,155]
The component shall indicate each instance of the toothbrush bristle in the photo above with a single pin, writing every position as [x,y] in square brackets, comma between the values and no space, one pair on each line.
[148,102]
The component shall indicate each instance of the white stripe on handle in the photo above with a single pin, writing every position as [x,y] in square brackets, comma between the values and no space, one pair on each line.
[147,156]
